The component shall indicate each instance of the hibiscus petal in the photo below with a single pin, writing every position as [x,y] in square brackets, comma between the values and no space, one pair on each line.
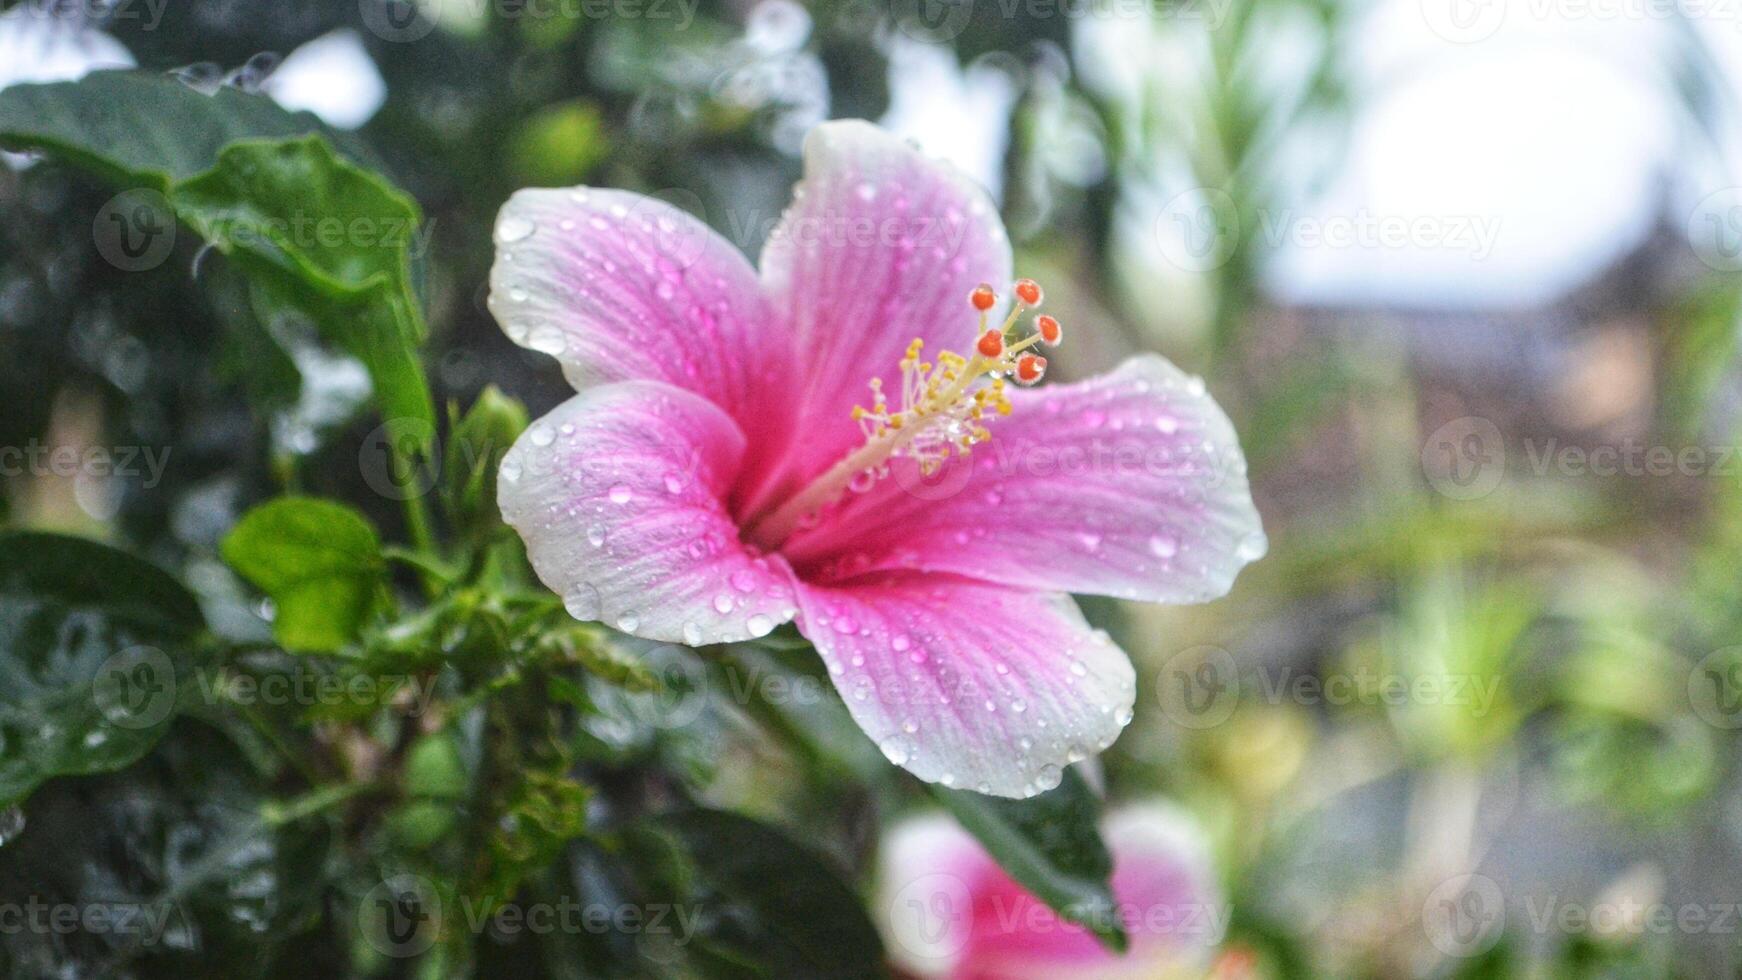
[617,494]
[618,286]
[1162,860]
[967,684]
[881,245]
[951,911]
[1164,892]
[1131,484]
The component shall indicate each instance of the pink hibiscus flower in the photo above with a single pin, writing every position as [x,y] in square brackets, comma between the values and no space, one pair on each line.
[951,911]
[749,450]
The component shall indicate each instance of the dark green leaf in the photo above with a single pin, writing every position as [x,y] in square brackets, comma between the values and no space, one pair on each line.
[174,854]
[1051,845]
[766,905]
[323,234]
[248,353]
[144,129]
[319,561]
[93,643]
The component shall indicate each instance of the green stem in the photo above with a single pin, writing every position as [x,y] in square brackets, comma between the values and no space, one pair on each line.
[417,522]
[423,561]
[278,813]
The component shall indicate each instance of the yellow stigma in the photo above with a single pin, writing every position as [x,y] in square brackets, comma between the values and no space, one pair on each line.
[938,416]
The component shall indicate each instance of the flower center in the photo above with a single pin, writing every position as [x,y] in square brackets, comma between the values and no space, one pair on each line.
[943,403]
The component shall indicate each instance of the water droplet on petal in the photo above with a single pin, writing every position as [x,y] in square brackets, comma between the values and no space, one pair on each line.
[514,229]
[621,494]
[895,749]
[541,435]
[1049,777]
[1163,546]
[760,625]
[722,604]
[628,622]
[692,634]
[1252,547]
[583,602]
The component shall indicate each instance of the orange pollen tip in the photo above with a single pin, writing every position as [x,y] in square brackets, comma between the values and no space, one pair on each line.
[983,297]
[1029,368]
[1049,328]
[1028,291]
[991,344]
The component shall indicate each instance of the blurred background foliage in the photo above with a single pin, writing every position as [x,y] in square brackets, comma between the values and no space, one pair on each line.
[1140,151]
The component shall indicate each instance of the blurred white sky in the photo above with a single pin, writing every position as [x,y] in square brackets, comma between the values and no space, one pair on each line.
[1551,124]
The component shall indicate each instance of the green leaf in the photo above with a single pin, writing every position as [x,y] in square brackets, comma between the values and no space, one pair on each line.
[177,845]
[477,442]
[145,129]
[248,353]
[318,231]
[1051,845]
[331,240]
[767,905]
[93,643]
[319,561]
